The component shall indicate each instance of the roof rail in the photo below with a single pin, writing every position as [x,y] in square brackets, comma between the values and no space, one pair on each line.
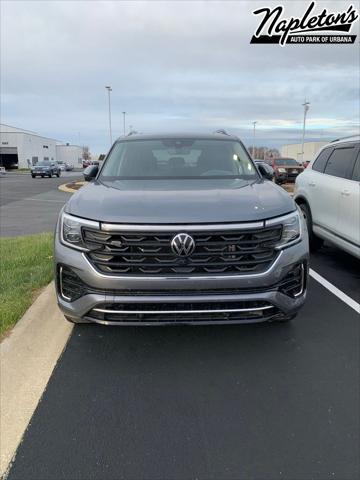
[344,138]
[222,132]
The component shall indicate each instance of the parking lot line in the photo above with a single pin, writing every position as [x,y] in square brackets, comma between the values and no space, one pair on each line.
[338,293]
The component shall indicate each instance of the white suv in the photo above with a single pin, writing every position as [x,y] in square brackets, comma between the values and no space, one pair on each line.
[328,193]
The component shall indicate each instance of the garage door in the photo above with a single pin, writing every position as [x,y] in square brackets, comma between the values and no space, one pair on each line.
[8,157]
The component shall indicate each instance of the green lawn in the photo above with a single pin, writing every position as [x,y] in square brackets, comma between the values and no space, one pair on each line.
[25,266]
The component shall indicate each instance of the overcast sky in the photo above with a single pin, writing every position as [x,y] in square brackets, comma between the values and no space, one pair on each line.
[173,66]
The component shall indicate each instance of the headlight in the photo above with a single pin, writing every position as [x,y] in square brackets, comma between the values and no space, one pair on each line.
[282,170]
[291,231]
[71,231]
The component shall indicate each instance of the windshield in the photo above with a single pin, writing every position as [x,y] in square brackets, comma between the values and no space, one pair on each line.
[286,161]
[43,164]
[178,158]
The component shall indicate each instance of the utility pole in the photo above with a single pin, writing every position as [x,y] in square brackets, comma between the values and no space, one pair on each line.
[124,113]
[253,149]
[306,108]
[109,89]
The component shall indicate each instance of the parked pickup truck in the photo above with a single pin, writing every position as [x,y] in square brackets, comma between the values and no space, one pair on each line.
[286,169]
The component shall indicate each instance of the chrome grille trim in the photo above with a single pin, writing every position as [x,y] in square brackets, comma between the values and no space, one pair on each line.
[117,227]
[167,312]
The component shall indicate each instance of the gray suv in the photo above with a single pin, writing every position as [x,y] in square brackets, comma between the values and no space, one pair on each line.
[180,229]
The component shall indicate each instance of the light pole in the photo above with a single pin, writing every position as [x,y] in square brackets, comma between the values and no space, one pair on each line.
[124,113]
[109,89]
[306,108]
[253,149]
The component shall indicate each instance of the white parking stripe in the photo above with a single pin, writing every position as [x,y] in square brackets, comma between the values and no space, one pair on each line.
[345,298]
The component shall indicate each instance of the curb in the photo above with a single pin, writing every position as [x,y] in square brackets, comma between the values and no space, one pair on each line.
[28,356]
[65,188]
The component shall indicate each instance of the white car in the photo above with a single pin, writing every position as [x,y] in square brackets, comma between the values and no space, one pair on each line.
[62,166]
[328,193]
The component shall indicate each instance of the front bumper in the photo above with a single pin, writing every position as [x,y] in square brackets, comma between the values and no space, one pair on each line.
[287,177]
[184,299]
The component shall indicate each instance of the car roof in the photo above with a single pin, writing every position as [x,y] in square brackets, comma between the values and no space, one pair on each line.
[349,139]
[340,141]
[192,135]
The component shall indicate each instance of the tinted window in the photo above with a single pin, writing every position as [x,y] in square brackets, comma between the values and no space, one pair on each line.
[43,164]
[356,172]
[321,160]
[340,162]
[286,161]
[179,158]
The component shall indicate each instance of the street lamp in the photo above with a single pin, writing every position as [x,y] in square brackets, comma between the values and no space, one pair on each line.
[109,89]
[124,113]
[253,149]
[306,108]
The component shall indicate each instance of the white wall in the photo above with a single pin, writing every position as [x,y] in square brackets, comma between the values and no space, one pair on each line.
[70,154]
[294,150]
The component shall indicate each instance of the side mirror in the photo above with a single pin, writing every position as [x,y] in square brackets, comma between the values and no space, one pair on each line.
[90,172]
[266,171]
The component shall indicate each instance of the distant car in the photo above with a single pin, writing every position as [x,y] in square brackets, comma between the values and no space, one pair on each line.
[328,194]
[2,171]
[286,169]
[45,169]
[69,167]
[267,168]
[62,166]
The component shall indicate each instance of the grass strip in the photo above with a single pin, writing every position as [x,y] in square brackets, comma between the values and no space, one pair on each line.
[25,266]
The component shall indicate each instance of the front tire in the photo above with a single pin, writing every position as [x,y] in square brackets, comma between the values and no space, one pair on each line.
[33,176]
[314,241]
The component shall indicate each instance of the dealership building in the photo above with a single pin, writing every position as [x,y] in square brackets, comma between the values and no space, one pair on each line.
[294,150]
[21,148]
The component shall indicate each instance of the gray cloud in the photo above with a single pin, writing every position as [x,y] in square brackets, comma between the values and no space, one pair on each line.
[172,65]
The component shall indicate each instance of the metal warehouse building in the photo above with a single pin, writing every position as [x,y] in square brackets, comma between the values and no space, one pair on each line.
[294,150]
[21,148]
[69,154]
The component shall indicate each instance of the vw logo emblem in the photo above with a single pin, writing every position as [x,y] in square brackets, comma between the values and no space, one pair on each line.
[182,245]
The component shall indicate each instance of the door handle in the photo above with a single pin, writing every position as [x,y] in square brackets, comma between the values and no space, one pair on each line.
[311,184]
[345,193]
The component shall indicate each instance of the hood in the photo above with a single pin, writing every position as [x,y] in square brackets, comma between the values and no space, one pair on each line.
[179,201]
[291,167]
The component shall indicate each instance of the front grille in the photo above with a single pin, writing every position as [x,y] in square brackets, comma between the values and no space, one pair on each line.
[71,287]
[216,252]
[182,313]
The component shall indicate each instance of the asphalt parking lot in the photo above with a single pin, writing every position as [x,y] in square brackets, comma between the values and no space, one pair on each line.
[30,205]
[274,401]
[245,402]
